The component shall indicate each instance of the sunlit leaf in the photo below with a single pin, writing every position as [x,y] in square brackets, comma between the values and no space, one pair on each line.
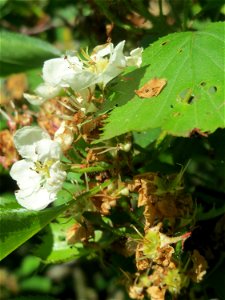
[192,100]
[18,225]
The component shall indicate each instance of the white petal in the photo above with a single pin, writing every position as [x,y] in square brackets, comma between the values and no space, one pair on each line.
[34,99]
[23,172]
[86,94]
[25,139]
[117,63]
[44,92]
[47,91]
[117,56]
[135,58]
[101,51]
[75,63]
[56,71]
[57,176]
[82,80]
[35,201]
[47,149]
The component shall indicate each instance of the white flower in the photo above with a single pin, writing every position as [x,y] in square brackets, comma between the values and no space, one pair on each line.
[39,175]
[57,71]
[109,62]
[105,63]
[67,72]
[109,68]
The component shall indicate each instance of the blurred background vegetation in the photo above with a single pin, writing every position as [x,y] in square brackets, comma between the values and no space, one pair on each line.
[70,25]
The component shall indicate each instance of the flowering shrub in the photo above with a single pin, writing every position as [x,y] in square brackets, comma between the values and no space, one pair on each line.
[94,161]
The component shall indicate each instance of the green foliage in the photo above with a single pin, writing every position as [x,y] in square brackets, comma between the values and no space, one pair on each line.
[18,225]
[42,297]
[8,201]
[193,96]
[37,284]
[55,248]
[2,3]
[110,10]
[190,105]
[29,265]
[20,53]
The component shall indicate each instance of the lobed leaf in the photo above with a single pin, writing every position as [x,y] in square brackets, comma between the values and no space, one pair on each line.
[192,100]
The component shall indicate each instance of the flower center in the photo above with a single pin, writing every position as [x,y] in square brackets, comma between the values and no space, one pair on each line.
[43,168]
[99,66]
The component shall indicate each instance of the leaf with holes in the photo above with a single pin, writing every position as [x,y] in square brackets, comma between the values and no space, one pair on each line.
[192,63]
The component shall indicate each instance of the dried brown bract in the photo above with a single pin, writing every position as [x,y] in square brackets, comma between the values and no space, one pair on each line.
[105,201]
[200,265]
[78,233]
[152,88]
[51,114]
[8,153]
[160,200]
[13,88]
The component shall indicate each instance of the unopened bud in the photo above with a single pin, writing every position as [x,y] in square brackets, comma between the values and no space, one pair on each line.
[125,147]
[124,192]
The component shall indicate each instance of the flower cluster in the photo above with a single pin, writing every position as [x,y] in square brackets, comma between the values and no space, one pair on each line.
[83,74]
[40,174]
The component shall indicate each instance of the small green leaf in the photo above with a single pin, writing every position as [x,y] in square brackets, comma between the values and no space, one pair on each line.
[20,52]
[29,265]
[36,284]
[192,100]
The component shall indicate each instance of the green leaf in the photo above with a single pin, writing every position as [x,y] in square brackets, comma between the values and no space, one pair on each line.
[8,201]
[20,52]
[29,265]
[36,284]
[210,214]
[145,138]
[2,3]
[18,225]
[54,247]
[193,98]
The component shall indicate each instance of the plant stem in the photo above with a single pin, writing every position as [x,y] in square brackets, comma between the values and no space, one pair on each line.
[99,168]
